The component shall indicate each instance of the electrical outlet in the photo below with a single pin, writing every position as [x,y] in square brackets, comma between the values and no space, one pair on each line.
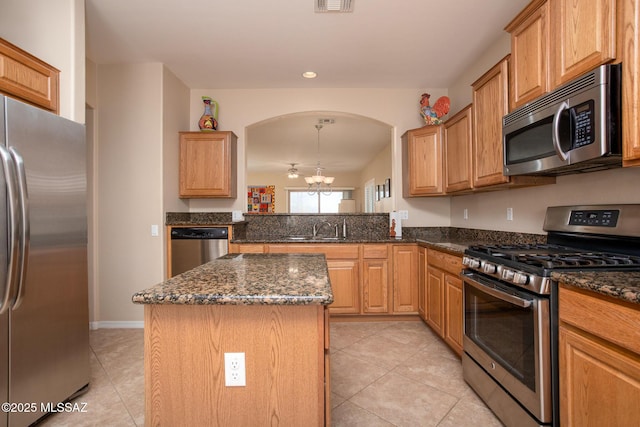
[234,370]
[465,214]
[404,214]
[509,214]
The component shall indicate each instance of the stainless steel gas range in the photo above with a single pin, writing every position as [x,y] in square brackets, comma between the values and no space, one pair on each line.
[511,306]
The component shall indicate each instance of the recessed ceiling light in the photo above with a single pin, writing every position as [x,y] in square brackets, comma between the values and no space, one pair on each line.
[309,75]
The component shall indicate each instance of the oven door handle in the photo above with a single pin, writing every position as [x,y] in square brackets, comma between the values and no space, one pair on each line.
[496,293]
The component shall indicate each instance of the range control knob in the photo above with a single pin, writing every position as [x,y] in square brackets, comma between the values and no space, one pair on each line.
[507,274]
[470,262]
[520,279]
[489,268]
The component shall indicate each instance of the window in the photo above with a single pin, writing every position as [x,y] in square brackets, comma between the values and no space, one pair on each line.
[300,201]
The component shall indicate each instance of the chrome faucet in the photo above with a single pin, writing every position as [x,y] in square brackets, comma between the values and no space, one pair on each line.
[318,225]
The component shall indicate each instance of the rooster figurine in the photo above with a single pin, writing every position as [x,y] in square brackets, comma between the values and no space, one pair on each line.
[433,115]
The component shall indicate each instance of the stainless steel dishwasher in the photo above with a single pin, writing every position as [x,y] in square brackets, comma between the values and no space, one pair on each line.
[194,246]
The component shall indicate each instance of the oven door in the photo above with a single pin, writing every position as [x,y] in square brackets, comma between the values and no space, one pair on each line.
[507,333]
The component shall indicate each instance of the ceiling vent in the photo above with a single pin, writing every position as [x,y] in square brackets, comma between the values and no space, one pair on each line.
[326,121]
[334,5]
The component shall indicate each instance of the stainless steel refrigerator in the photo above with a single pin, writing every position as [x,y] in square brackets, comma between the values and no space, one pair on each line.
[44,320]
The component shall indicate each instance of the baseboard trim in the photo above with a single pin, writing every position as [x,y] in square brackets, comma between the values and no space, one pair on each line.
[109,324]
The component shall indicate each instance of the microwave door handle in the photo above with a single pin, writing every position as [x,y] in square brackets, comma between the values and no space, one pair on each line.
[498,294]
[556,131]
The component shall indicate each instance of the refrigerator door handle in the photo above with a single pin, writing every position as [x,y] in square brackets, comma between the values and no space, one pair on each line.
[11,285]
[24,229]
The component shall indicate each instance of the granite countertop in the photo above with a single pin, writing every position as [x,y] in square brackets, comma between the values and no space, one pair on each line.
[245,279]
[622,285]
[456,247]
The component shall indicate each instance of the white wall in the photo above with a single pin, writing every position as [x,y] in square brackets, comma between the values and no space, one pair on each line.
[397,107]
[129,185]
[54,32]
[379,170]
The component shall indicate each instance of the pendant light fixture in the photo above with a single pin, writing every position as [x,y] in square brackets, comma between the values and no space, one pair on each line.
[317,181]
[292,172]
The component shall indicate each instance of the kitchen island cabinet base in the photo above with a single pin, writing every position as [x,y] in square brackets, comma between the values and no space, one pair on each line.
[284,350]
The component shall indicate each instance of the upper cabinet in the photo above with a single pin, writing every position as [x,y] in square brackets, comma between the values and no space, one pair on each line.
[422,161]
[490,98]
[631,83]
[27,78]
[584,36]
[529,53]
[208,164]
[458,131]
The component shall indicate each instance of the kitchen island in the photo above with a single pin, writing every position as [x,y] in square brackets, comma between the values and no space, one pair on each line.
[272,308]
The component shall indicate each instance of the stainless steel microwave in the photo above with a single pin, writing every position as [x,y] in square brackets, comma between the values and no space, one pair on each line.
[574,128]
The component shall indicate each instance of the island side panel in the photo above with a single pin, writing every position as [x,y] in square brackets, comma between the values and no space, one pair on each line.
[184,365]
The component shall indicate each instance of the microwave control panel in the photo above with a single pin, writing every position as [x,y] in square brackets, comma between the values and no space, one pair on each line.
[584,129]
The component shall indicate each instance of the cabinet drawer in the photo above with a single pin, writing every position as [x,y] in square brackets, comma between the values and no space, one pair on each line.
[444,261]
[375,251]
[246,248]
[331,251]
[617,323]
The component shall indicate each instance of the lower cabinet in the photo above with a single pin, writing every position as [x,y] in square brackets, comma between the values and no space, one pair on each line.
[442,296]
[405,279]
[453,312]
[422,283]
[343,263]
[344,276]
[599,345]
[366,279]
[435,299]
[375,279]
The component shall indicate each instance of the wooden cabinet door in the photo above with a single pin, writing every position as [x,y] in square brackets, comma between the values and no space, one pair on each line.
[422,283]
[457,142]
[453,319]
[208,164]
[375,286]
[422,161]
[529,65]
[405,279]
[631,83]
[584,36]
[344,276]
[490,98]
[435,299]
[27,78]
[599,384]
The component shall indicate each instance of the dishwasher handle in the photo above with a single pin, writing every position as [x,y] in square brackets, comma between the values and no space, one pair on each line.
[199,233]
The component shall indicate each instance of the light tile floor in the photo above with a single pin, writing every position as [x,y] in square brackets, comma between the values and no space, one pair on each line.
[382,374]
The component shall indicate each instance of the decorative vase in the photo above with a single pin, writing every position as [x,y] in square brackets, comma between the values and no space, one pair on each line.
[209,121]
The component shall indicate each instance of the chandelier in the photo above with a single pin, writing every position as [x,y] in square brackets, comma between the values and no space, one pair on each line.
[317,181]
